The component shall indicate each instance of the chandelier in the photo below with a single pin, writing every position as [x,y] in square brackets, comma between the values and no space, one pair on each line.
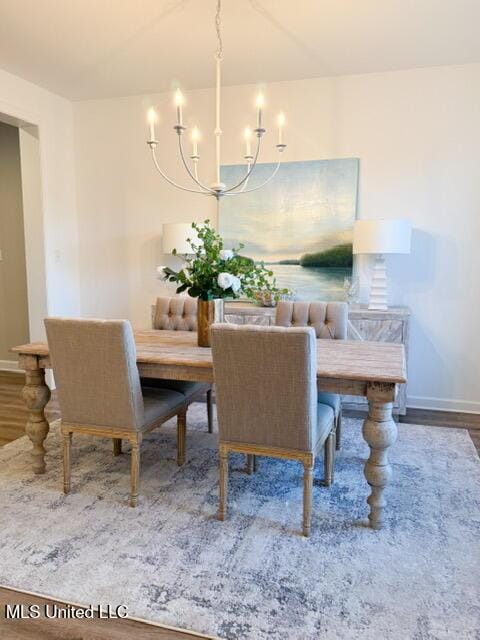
[218,188]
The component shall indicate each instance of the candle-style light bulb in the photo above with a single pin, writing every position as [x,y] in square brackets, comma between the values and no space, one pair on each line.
[247,134]
[260,102]
[281,123]
[179,101]
[196,135]
[152,118]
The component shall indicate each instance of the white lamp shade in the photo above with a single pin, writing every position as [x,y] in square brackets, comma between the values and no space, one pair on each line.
[382,236]
[175,237]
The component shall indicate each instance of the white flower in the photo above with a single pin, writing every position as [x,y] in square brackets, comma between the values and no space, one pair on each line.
[226,254]
[225,280]
[236,284]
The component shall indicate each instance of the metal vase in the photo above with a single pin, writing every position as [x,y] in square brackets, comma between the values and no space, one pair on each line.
[208,312]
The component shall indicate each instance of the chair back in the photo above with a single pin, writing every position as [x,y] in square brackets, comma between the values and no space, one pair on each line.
[95,368]
[265,380]
[329,319]
[176,314]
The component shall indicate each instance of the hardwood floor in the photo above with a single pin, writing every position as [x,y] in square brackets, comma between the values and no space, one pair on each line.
[13,413]
[43,628]
[444,419]
[12,423]
[13,417]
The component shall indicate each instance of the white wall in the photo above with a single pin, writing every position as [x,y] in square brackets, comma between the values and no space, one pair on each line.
[51,229]
[417,135]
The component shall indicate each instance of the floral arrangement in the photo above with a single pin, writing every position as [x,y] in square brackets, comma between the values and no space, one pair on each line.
[214,272]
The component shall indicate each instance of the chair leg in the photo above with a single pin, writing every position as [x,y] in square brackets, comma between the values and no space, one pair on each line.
[251,463]
[181,437]
[307,495]
[223,483]
[329,459]
[135,442]
[210,410]
[67,447]
[338,431]
[117,446]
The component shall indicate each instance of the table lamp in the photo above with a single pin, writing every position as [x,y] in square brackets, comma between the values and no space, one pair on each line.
[175,236]
[380,237]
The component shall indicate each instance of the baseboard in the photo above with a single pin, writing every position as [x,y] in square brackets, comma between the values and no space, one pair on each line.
[442,404]
[9,365]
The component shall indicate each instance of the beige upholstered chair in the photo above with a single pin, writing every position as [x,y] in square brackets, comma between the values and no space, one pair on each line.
[99,391]
[329,319]
[180,314]
[267,404]
[175,314]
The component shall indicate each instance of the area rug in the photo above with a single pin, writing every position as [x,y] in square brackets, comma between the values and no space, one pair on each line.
[253,576]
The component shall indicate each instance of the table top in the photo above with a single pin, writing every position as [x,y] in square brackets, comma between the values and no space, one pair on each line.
[342,359]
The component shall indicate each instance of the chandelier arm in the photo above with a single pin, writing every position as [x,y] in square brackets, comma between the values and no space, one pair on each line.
[249,172]
[242,190]
[217,189]
[174,184]
[275,171]
[192,176]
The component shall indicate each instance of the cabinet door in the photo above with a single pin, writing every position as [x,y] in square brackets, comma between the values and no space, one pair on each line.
[260,319]
[376,330]
[257,318]
[232,318]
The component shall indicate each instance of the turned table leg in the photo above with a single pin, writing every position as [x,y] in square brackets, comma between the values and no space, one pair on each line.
[380,432]
[36,394]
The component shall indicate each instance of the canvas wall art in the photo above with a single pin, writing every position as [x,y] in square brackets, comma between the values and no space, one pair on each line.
[300,224]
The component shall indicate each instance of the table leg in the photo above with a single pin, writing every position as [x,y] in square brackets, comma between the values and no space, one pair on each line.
[36,394]
[380,432]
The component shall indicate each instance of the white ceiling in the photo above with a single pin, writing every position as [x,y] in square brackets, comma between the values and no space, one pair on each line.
[86,49]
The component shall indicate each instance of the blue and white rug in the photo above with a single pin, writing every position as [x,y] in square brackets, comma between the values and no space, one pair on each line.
[254,576]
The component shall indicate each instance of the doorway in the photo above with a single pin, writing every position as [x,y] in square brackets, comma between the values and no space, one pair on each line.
[14,315]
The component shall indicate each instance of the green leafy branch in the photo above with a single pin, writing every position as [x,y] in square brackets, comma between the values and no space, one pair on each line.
[211,271]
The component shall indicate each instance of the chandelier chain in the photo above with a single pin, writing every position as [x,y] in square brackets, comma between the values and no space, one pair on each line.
[218,20]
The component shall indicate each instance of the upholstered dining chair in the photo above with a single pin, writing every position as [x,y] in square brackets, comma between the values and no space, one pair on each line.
[180,314]
[267,401]
[99,391]
[329,319]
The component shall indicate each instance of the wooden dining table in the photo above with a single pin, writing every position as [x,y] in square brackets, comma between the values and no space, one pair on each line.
[371,369]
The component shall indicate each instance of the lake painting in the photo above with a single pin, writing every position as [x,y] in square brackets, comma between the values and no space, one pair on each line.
[300,224]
